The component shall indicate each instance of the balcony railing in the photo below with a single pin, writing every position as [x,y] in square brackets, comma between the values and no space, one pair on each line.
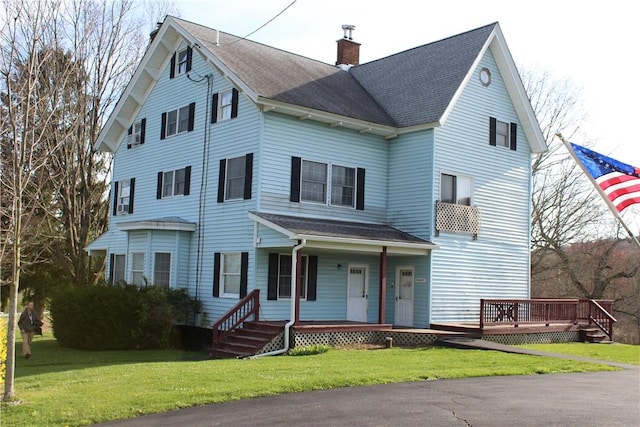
[457,218]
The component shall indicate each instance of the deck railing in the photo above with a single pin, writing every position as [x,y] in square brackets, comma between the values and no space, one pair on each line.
[546,311]
[235,317]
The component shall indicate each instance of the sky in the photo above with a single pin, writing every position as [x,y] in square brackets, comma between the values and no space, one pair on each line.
[593,45]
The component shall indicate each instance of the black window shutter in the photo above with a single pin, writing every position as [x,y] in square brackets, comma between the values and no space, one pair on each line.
[159,189]
[248,175]
[187,180]
[272,283]
[360,189]
[214,108]
[189,56]
[312,279]
[216,274]
[132,187]
[296,166]
[234,103]
[192,114]
[514,136]
[172,71]
[143,129]
[244,268]
[163,126]
[115,198]
[129,132]
[492,131]
[112,260]
[221,175]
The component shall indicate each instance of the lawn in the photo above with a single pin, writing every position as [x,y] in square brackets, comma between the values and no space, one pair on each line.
[612,352]
[59,386]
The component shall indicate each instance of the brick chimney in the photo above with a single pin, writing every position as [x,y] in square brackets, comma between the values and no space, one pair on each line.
[348,50]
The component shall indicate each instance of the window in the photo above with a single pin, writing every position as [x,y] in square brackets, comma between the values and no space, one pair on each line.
[117,268]
[234,179]
[123,199]
[137,268]
[174,183]
[280,279]
[455,189]
[285,279]
[230,274]
[224,105]
[136,133]
[310,183]
[177,121]
[314,182]
[162,269]
[181,62]
[343,183]
[502,134]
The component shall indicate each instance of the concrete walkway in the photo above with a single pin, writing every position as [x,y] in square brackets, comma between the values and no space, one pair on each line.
[580,399]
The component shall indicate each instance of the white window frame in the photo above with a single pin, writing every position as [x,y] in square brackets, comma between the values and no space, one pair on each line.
[238,189]
[281,277]
[225,105]
[329,188]
[119,268]
[339,187]
[224,274]
[503,134]
[177,121]
[171,186]
[156,282]
[135,137]
[181,61]
[123,197]
[137,274]
[459,193]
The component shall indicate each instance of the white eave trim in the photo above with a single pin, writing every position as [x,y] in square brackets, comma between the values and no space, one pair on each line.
[157,225]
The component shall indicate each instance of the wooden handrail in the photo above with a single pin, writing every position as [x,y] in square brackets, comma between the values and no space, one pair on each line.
[235,317]
[601,318]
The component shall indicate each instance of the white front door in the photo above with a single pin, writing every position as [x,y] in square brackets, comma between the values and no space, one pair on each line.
[357,293]
[404,296]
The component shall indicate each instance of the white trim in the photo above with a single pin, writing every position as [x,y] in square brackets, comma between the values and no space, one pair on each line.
[157,225]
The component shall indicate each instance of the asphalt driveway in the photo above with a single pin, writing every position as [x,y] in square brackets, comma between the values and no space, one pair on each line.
[579,399]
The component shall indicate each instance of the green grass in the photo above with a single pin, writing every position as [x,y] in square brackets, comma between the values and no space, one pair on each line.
[612,352]
[61,386]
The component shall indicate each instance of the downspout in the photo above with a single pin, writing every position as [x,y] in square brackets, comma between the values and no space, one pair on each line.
[294,293]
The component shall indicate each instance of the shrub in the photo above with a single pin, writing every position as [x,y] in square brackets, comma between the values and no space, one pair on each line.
[309,350]
[117,317]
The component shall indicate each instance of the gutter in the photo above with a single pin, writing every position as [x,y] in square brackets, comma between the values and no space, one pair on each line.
[294,299]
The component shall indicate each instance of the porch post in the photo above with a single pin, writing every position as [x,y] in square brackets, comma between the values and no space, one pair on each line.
[383,285]
[298,280]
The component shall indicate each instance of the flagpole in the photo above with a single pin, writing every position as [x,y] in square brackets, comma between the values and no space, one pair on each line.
[610,205]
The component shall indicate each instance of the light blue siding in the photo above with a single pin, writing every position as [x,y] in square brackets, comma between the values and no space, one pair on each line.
[497,264]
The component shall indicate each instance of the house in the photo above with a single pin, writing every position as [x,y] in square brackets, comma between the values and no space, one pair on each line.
[397,191]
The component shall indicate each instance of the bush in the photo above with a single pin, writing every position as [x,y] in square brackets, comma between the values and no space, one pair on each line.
[309,350]
[118,317]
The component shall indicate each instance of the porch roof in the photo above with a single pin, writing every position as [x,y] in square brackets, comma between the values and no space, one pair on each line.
[344,235]
[172,223]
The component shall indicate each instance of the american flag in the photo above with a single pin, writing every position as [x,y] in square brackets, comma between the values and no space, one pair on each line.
[619,181]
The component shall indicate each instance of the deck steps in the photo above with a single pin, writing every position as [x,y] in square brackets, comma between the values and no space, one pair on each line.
[594,335]
[245,341]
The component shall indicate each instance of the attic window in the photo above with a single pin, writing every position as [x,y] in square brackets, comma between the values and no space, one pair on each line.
[181,62]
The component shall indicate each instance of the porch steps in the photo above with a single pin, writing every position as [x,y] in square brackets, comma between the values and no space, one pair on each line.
[245,341]
[594,335]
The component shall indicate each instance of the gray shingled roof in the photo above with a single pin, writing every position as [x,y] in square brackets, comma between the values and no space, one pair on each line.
[283,76]
[340,229]
[417,85]
[405,89]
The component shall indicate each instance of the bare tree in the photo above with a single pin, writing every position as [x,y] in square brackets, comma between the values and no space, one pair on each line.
[575,241]
[25,48]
